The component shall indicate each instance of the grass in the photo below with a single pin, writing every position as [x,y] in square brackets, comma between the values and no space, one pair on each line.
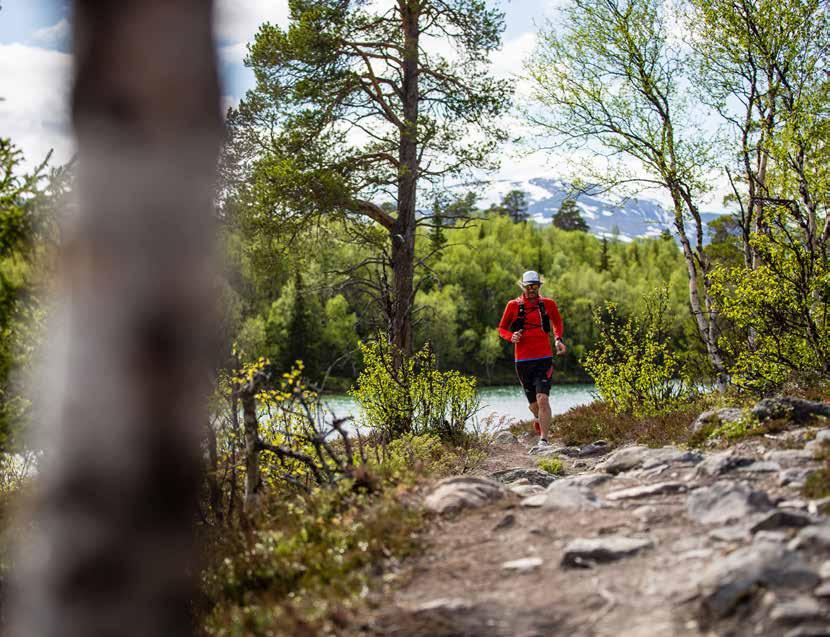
[817,485]
[552,465]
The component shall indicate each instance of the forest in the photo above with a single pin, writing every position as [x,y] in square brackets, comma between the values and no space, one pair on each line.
[356,257]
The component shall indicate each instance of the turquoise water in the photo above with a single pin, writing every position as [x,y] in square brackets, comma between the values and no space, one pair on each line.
[497,403]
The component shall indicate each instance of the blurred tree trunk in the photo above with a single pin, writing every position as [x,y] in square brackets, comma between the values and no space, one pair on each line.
[113,551]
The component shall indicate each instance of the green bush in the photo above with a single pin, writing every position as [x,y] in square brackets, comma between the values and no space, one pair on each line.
[633,365]
[413,396]
[552,465]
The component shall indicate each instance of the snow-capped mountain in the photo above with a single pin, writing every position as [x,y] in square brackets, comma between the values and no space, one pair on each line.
[605,214]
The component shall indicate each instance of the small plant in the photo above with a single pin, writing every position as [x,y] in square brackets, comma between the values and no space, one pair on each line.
[633,365]
[552,465]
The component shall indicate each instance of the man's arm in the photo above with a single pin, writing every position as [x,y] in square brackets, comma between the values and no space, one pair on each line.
[557,325]
[507,319]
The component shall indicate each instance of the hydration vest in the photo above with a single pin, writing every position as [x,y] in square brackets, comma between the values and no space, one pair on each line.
[519,323]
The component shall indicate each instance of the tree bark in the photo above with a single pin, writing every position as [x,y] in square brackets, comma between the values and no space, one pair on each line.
[403,234]
[252,474]
[112,551]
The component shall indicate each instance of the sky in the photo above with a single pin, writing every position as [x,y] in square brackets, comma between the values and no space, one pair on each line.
[35,66]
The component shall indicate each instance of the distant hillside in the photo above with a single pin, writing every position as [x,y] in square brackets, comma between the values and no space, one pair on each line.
[636,217]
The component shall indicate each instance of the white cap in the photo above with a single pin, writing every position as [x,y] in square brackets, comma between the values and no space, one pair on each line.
[531,277]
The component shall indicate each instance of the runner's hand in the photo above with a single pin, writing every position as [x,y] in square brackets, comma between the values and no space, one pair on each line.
[517,336]
[560,348]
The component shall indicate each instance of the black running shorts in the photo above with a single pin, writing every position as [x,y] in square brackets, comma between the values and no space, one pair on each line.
[535,377]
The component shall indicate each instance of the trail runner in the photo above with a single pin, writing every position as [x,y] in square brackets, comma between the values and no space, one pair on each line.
[528,322]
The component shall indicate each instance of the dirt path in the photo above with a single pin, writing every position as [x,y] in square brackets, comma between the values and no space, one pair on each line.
[721,552]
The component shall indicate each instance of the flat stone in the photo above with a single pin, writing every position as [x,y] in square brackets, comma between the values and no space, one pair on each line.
[806,630]
[727,581]
[633,493]
[729,534]
[446,604]
[585,479]
[523,565]
[518,483]
[638,456]
[593,449]
[505,437]
[794,475]
[812,538]
[782,519]
[789,457]
[695,554]
[799,505]
[720,463]
[760,467]
[461,492]
[777,537]
[526,490]
[802,608]
[589,551]
[533,476]
[563,496]
[725,501]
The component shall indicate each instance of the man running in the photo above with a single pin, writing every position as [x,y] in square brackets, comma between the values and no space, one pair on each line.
[527,322]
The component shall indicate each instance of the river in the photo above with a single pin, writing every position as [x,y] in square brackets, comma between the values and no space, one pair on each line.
[497,403]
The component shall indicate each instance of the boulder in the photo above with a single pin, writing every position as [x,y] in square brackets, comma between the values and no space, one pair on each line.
[789,457]
[760,467]
[585,552]
[814,538]
[713,418]
[563,496]
[793,611]
[637,456]
[533,476]
[725,501]
[461,492]
[505,437]
[726,582]
[789,407]
[660,488]
[719,463]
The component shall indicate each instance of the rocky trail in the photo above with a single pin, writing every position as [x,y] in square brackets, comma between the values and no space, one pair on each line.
[630,542]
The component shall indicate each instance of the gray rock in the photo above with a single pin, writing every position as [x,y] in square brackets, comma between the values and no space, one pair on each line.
[594,449]
[729,533]
[585,479]
[726,582]
[802,608]
[760,467]
[719,463]
[725,501]
[570,452]
[446,604]
[523,565]
[526,490]
[782,519]
[461,492]
[533,476]
[518,483]
[812,538]
[789,407]
[588,551]
[799,505]
[635,457]
[505,437]
[716,417]
[794,475]
[789,457]
[777,537]
[660,488]
[563,496]
[823,590]
[824,570]
[818,506]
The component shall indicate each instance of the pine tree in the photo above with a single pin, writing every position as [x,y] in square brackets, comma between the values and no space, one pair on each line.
[604,262]
[514,206]
[568,217]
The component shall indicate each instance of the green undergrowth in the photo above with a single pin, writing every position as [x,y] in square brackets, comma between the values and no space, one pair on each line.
[552,465]
[817,485]
[306,563]
[598,421]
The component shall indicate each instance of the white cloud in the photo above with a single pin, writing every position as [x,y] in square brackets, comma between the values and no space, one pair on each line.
[34,83]
[238,20]
[55,36]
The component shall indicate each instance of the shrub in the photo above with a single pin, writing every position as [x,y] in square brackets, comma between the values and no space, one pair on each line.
[633,365]
[551,465]
[413,396]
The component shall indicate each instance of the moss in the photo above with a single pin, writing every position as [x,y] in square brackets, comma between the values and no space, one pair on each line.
[552,465]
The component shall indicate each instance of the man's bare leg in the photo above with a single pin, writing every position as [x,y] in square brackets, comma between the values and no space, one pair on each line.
[543,412]
[534,408]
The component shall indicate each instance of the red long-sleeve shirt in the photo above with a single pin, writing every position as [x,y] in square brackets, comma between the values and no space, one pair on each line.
[535,342]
